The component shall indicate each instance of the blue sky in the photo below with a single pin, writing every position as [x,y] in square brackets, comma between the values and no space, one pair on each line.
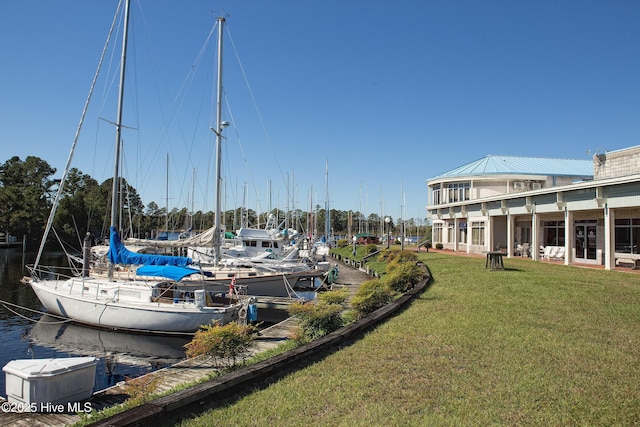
[388,93]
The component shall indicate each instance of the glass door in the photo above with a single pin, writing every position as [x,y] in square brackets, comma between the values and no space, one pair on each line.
[586,240]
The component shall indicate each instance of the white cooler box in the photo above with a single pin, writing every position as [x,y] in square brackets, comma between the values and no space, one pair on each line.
[52,381]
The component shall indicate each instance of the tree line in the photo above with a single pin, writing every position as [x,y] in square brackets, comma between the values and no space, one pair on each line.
[28,191]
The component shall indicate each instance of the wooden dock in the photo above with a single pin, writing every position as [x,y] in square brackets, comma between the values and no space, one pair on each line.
[186,371]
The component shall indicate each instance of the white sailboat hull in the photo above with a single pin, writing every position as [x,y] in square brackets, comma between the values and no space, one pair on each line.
[129,307]
[275,285]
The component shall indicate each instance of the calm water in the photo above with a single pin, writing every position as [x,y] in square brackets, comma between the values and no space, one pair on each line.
[31,335]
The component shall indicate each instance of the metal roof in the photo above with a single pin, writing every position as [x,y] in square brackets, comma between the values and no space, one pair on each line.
[515,165]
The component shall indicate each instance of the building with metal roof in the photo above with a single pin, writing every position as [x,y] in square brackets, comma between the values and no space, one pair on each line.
[515,165]
[576,211]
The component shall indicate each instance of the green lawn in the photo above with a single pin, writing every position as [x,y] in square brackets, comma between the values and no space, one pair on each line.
[537,344]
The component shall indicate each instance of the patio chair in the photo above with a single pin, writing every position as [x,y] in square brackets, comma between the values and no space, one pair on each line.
[550,252]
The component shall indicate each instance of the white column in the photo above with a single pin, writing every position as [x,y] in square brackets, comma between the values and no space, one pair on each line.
[609,238]
[535,237]
[511,221]
[488,234]
[569,242]
[455,234]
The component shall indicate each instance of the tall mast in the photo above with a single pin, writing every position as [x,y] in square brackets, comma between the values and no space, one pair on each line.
[166,199]
[311,227]
[116,163]
[218,131]
[115,194]
[193,198]
[327,214]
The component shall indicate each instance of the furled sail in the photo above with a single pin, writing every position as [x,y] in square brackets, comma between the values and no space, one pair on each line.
[204,239]
[167,271]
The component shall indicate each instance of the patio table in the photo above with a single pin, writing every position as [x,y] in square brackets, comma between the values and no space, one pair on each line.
[494,260]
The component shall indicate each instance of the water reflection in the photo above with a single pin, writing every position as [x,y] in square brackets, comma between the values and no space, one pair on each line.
[52,332]
[120,354]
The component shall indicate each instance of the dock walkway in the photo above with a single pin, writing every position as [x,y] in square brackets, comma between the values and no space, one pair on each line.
[184,372]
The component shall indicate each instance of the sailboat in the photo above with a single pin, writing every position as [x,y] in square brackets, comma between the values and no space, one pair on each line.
[259,273]
[318,250]
[153,299]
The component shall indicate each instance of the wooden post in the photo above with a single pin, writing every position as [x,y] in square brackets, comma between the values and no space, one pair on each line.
[86,255]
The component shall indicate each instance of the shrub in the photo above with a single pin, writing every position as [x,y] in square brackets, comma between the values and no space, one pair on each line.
[402,256]
[342,243]
[384,254]
[369,249]
[226,344]
[338,296]
[141,389]
[316,319]
[349,316]
[389,256]
[401,276]
[439,246]
[370,296]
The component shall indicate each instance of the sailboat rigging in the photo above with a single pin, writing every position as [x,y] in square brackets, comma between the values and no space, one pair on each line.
[115,193]
[218,131]
[153,299]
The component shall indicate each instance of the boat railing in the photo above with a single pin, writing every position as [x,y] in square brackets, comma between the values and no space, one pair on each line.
[180,296]
[56,273]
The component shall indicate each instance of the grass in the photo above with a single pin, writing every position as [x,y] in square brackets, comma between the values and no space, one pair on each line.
[537,344]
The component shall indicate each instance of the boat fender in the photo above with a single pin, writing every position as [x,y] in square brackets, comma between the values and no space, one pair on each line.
[332,275]
[242,313]
[199,298]
[252,314]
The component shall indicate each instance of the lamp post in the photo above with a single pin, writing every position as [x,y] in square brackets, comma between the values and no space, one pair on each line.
[387,220]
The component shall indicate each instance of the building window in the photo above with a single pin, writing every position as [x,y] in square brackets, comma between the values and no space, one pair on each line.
[435,195]
[553,233]
[462,232]
[458,192]
[628,236]
[450,232]
[437,233]
[477,233]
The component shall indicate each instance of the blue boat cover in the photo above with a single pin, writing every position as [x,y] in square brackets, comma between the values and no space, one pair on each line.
[167,271]
[119,254]
[252,313]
